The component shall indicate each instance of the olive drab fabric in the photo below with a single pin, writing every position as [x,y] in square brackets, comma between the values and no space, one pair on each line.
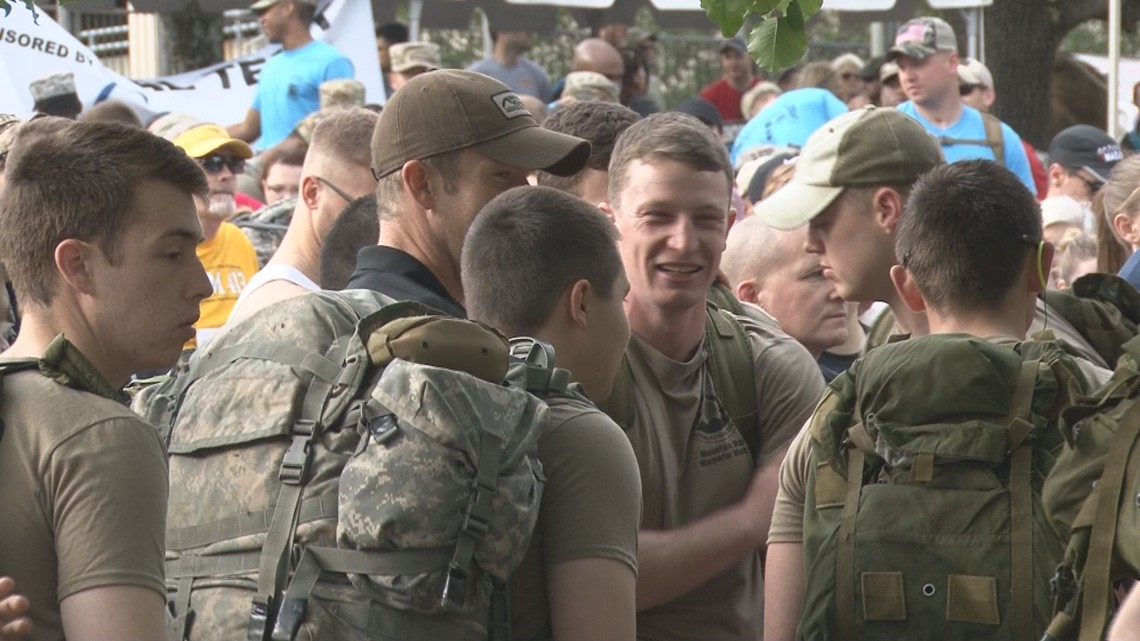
[1104,308]
[733,377]
[1092,498]
[261,425]
[923,516]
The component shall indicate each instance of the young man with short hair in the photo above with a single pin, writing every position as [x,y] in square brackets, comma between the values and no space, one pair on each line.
[601,124]
[336,172]
[97,230]
[725,94]
[707,496]
[544,264]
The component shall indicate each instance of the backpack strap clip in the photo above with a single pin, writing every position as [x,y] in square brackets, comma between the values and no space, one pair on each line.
[295,464]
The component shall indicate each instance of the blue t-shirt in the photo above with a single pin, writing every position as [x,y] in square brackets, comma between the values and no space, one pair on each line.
[971,127]
[525,78]
[789,121]
[1131,270]
[288,88]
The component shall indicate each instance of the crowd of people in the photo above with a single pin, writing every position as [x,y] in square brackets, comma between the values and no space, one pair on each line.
[819,355]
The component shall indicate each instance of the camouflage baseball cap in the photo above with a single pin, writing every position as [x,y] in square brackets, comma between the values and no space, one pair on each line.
[406,56]
[55,85]
[590,85]
[868,147]
[450,109]
[344,93]
[921,38]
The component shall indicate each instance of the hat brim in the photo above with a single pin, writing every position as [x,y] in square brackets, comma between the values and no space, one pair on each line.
[795,204]
[912,50]
[262,5]
[534,148]
[206,147]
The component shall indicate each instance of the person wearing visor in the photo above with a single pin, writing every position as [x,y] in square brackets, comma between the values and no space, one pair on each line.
[227,255]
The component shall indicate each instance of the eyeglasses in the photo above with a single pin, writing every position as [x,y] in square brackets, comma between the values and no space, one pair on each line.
[1092,184]
[965,90]
[214,164]
[339,192]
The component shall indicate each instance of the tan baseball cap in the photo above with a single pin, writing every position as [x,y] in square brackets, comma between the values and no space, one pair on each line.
[406,56]
[450,109]
[263,5]
[864,148]
[971,71]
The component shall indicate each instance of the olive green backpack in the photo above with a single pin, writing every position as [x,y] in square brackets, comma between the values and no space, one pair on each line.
[1092,498]
[923,517]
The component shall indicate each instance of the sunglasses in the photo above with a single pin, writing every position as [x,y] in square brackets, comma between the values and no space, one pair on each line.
[214,164]
[965,90]
[848,75]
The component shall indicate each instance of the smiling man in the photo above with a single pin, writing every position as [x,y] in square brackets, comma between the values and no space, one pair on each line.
[707,492]
[97,230]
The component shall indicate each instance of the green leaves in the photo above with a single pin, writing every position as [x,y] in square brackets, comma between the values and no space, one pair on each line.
[779,41]
[728,14]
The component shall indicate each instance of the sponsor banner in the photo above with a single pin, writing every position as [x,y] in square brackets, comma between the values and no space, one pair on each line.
[33,48]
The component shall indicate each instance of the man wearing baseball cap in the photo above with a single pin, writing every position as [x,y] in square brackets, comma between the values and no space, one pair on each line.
[926,52]
[447,143]
[1080,159]
[725,94]
[227,255]
[410,59]
[288,88]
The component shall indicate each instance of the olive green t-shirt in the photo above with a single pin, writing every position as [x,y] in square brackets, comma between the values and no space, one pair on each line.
[84,486]
[591,507]
[694,462]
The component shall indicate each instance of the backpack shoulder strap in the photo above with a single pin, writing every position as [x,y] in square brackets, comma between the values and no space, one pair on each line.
[994,137]
[733,373]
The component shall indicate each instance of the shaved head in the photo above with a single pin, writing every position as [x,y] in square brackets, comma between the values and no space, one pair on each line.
[595,54]
[754,250]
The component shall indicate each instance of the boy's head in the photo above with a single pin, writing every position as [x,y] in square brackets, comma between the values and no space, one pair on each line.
[540,262]
[970,240]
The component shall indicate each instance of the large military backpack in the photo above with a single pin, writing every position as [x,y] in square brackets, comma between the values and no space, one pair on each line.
[923,516]
[1092,498]
[345,417]
[1104,309]
[733,371]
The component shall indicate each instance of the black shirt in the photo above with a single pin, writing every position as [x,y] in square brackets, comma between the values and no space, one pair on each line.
[396,273]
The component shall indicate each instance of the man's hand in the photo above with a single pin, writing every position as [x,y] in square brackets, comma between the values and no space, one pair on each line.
[13,607]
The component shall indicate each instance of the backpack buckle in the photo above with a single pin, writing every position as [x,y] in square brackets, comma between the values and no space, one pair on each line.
[258,621]
[454,587]
[295,464]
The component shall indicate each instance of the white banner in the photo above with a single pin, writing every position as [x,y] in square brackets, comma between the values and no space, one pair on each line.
[221,93]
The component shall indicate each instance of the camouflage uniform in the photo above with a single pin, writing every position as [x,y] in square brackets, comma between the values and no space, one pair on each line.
[266,227]
[8,126]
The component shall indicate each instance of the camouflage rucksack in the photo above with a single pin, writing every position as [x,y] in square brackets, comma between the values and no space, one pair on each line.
[262,423]
[1092,498]
[1103,308]
[923,517]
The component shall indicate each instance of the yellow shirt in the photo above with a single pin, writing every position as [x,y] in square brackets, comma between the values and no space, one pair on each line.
[230,261]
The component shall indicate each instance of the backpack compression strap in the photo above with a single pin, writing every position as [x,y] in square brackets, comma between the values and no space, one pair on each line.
[994,138]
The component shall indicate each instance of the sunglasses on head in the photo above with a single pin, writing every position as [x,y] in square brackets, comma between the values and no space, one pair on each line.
[213,164]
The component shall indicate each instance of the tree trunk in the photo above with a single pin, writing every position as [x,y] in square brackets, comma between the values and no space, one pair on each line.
[1021,61]
[193,38]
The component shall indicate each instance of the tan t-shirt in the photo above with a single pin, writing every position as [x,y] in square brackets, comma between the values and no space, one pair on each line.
[84,496]
[693,463]
[591,507]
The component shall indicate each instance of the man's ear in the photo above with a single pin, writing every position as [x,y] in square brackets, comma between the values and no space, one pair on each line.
[608,210]
[74,262]
[1126,228]
[746,291]
[578,302]
[888,208]
[1057,174]
[414,175]
[310,187]
[907,288]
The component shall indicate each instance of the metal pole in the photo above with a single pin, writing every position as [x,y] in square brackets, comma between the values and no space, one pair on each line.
[415,10]
[878,38]
[971,19]
[1114,26]
[982,35]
